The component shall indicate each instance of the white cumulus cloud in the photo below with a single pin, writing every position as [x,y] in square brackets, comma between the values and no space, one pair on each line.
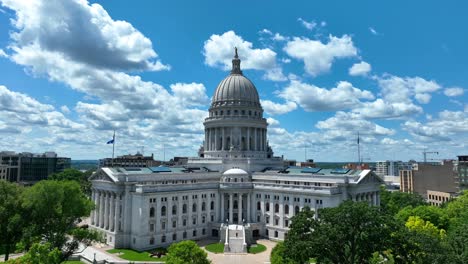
[318,57]
[273,108]
[219,51]
[454,91]
[362,68]
[314,98]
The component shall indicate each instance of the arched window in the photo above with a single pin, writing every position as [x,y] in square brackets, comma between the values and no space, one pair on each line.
[296,210]
[184,208]
[259,206]
[286,209]
[203,206]
[163,211]
[194,207]
[174,209]
[152,212]
[267,207]
[212,205]
[276,208]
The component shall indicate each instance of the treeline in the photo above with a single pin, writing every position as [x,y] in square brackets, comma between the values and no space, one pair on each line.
[404,229]
[43,220]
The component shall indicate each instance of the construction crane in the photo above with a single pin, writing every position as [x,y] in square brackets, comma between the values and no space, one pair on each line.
[428,152]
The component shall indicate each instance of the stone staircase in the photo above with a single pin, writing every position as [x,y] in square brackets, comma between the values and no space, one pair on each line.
[235,239]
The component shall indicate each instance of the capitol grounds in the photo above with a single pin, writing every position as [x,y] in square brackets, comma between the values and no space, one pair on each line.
[102,252]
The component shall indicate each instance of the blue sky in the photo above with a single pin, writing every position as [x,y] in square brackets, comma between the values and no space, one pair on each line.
[73,71]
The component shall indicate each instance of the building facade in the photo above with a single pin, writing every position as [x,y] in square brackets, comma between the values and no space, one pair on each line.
[462,172]
[436,182]
[391,167]
[28,168]
[235,190]
[130,161]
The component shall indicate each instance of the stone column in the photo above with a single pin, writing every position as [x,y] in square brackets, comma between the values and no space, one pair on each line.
[157,208]
[111,211]
[272,212]
[223,141]
[206,140]
[117,213]
[101,209]
[281,211]
[230,208]
[106,211]
[189,210]
[199,210]
[239,219]
[248,139]
[255,139]
[291,208]
[221,219]
[216,138]
[249,219]
[179,203]
[262,209]
[95,211]
[169,213]
[92,212]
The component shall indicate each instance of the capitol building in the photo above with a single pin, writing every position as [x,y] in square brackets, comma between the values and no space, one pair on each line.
[235,191]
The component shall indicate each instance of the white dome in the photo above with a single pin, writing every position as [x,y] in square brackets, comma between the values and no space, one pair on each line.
[236,88]
[235,172]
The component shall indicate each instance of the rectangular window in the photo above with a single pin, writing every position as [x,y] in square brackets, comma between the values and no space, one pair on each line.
[151,227]
[174,224]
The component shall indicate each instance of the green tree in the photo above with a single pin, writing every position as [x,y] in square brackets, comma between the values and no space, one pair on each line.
[54,210]
[349,233]
[74,175]
[186,252]
[456,243]
[433,214]
[416,241]
[393,202]
[277,255]
[11,221]
[41,254]
[299,244]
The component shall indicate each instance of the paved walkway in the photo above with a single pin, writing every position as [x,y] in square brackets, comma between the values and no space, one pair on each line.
[260,258]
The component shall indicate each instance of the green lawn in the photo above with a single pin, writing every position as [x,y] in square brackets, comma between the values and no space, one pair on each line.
[256,248]
[133,255]
[215,247]
[72,262]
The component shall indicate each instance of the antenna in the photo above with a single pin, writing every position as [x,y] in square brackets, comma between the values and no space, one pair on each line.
[305,151]
[358,150]
[142,150]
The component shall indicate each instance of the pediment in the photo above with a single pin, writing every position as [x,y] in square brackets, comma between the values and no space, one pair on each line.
[101,175]
[370,177]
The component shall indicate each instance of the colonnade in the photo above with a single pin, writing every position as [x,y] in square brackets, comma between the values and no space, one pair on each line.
[107,213]
[232,198]
[372,197]
[246,138]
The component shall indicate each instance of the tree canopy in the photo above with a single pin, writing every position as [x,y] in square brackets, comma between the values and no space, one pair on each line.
[186,252]
[354,232]
[44,218]
[348,233]
[11,221]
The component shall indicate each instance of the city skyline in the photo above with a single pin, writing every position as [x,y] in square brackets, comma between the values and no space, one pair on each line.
[75,71]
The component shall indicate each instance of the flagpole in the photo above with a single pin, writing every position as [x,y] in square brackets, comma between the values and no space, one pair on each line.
[358,150]
[113,148]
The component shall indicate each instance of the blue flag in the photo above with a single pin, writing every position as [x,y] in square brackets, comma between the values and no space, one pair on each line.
[110,141]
